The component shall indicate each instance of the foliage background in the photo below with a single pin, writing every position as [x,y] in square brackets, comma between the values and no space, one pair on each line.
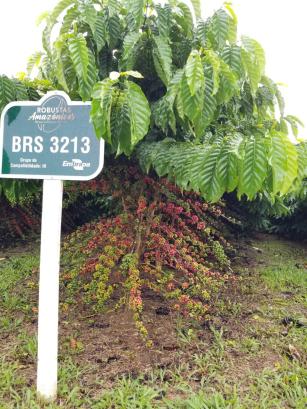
[204,95]
[290,14]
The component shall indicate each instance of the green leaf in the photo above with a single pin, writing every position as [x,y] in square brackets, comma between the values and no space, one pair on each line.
[162,55]
[163,160]
[302,161]
[283,127]
[254,167]
[134,74]
[129,50]
[184,19]
[196,7]
[69,71]
[100,31]
[120,115]
[79,55]
[253,59]
[68,20]
[88,15]
[280,101]
[194,72]
[292,166]
[231,55]
[190,105]
[135,15]
[252,70]
[59,8]
[51,20]
[220,28]
[233,24]
[86,87]
[278,160]
[294,122]
[139,112]
[114,7]
[20,91]
[296,119]
[59,45]
[228,84]
[121,125]
[103,95]
[201,32]
[42,18]
[256,52]
[283,161]
[208,109]
[232,153]
[213,175]
[174,85]
[46,38]
[163,115]
[33,95]
[183,160]
[146,153]
[213,59]
[115,31]
[208,169]
[164,19]
[34,61]
[7,91]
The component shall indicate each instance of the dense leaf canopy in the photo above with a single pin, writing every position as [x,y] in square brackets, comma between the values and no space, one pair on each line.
[185,96]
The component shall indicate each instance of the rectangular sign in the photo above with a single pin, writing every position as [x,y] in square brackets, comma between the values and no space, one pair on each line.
[49,139]
[52,139]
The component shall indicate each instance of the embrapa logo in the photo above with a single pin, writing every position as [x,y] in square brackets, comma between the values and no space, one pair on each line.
[77,164]
[52,113]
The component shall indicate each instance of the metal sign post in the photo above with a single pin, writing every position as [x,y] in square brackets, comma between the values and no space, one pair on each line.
[47,365]
[53,140]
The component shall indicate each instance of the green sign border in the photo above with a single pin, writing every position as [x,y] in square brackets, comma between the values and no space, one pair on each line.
[48,177]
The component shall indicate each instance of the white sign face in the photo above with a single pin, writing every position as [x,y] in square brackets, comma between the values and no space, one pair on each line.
[49,139]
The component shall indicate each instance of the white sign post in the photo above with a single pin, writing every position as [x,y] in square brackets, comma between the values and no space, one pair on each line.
[47,366]
[54,140]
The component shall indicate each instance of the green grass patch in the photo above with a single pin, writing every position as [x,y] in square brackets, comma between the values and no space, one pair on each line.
[285,278]
[15,284]
[17,269]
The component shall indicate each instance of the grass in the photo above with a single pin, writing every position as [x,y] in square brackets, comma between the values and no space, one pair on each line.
[247,361]
[281,387]
[285,278]
[26,348]
[15,285]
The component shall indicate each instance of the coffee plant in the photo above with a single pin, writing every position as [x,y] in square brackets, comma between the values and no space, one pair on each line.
[188,94]
[162,242]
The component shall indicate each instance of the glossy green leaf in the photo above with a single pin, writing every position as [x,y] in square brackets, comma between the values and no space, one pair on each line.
[254,167]
[103,95]
[129,50]
[79,55]
[194,72]
[139,112]
[162,56]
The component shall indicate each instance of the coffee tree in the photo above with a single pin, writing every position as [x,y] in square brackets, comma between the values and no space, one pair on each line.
[184,96]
